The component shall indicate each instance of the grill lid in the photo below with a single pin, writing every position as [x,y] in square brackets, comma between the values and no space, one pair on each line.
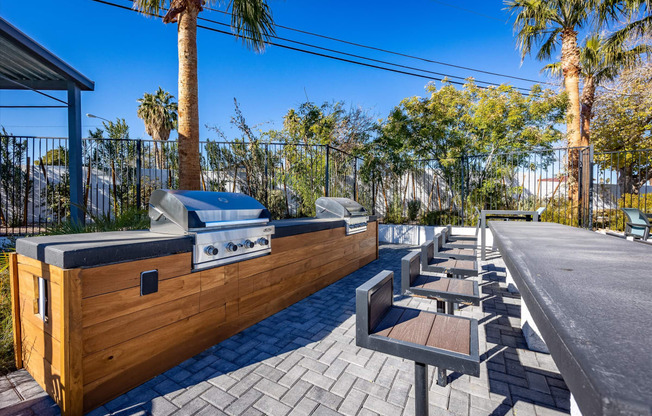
[339,208]
[182,211]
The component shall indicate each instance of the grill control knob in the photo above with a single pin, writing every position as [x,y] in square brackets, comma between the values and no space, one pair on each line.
[262,241]
[211,251]
[249,244]
[232,247]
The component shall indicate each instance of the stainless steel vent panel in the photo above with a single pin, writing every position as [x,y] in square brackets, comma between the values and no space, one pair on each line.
[354,214]
[338,208]
[190,210]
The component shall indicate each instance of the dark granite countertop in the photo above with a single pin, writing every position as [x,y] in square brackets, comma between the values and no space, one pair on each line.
[590,295]
[71,251]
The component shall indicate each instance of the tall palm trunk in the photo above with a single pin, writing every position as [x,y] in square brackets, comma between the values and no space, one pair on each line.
[570,64]
[188,101]
[588,98]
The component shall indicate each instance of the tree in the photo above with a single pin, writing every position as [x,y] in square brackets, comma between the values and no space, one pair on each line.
[159,113]
[623,124]
[637,16]
[251,21]
[450,125]
[598,65]
[547,23]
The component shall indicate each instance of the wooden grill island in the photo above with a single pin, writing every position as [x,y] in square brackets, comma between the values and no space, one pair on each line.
[98,314]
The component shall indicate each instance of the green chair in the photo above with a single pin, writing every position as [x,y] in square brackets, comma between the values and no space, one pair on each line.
[638,225]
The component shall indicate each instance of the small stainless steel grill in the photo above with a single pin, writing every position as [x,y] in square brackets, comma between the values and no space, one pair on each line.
[353,214]
[227,227]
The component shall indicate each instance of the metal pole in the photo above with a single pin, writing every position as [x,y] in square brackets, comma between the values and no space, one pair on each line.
[327,173]
[355,179]
[420,389]
[139,149]
[266,177]
[463,196]
[591,187]
[580,185]
[75,154]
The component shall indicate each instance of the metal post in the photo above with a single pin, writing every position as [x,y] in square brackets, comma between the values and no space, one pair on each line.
[580,185]
[266,177]
[355,179]
[327,173]
[420,389]
[463,196]
[373,193]
[591,187]
[139,150]
[75,154]
[442,378]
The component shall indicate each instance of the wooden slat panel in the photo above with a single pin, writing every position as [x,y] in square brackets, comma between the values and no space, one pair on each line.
[71,333]
[45,375]
[281,245]
[440,284]
[379,303]
[450,333]
[414,326]
[41,269]
[15,308]
[391,318]
[126,327]
[120,276]
[218,296]
[302,249]
[36,345]
[109,306]
[159,342]
[28,300]
[464,287]
[465,264]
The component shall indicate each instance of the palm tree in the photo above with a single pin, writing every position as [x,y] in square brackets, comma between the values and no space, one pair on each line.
[547,23]
[636,12]
[599,64]
[251,21]
[159,113]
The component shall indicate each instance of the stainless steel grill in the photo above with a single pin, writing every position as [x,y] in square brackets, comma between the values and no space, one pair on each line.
[354,215]
[227,227]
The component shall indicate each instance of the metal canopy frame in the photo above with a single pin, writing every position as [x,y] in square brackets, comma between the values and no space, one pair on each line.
[27,65]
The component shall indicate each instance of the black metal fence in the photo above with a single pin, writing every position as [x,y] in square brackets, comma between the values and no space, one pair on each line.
[577,186]
[120,175]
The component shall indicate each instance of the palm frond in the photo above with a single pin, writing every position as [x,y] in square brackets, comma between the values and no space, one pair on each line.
[149,7]
[252,21]
[554,69]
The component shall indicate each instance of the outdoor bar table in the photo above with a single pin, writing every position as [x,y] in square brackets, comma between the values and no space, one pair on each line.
[590,295]
[502,212]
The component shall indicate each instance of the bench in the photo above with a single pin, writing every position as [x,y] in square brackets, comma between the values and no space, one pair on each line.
[451,267]
[427,338]
[441,250]
[459,241]
[443,289]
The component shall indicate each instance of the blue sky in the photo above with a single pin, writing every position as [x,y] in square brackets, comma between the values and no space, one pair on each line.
[127,54]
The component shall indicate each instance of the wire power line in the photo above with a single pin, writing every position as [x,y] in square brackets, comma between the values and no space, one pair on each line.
[446,76]
[466,68]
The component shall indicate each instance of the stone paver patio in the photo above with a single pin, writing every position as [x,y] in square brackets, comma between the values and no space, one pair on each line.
[303,361]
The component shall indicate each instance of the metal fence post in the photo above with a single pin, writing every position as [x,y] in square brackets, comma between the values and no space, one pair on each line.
[266,177]
[591,162]
[139,163]
[463,191]
[327,173]
[580,187]
[355,178]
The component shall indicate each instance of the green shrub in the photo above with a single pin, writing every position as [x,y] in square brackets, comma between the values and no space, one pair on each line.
[130,219]
[414,206]
[7,363]
[440,218]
